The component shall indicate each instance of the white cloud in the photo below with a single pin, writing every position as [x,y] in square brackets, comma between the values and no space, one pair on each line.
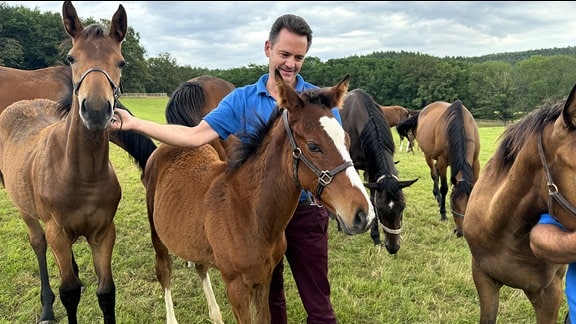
[226,34]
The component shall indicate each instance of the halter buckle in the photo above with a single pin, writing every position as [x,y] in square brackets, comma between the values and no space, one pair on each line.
[325,178]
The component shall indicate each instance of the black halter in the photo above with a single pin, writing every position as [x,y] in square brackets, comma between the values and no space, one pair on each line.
[324,177]
[116,89]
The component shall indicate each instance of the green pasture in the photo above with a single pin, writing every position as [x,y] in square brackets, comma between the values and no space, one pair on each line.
[428,281]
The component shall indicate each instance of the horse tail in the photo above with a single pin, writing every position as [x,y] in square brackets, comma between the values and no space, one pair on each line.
[185,104]
[138,146]
[408,125]
[457,142]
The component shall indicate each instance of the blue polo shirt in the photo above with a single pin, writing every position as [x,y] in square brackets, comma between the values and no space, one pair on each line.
[243,104]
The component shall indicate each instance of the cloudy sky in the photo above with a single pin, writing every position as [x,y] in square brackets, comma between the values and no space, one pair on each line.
[227,34]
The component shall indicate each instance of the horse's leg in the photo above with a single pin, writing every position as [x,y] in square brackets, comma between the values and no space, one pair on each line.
[374,228]
[70,285]
[38,242]
[240,297]
[260,302]
[213,308]
[488,294]
[547,301]
[375,232]
[442,166]
[434,175]
[163,272]
[401,143]
[102,245]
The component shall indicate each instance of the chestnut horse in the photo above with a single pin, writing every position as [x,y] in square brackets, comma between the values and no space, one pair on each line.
[395,115]
[232,214]
[532,172]
[448,136]
[56,170]
[372,150]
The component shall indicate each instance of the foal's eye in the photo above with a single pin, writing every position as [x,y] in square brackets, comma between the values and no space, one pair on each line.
[313,147]
[70,59]
[122,64]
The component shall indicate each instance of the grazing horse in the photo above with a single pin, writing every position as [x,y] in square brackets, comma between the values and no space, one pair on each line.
[195,98]
[532,172]
[448,136]
[395,115]
[55,83]
[55,165]
[232,214]
[372,150]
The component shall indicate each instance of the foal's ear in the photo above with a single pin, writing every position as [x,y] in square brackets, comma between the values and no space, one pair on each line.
[287,97]
[340,90]
[72,23]
[119,24]
[569,111]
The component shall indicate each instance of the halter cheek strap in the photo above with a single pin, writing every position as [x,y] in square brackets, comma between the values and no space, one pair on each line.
[553,193]
[324,177]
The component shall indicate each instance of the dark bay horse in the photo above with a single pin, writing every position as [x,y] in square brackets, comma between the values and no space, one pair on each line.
[232,214]
[56,170]
[448,136]
[532,172]
[372,150]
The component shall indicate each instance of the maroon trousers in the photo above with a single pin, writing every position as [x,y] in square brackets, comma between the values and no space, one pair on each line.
[307,255]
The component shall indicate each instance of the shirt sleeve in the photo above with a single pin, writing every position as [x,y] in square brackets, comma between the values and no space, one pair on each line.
[548,219]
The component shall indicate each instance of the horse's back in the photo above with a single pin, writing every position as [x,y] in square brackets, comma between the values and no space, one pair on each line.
[395,114]
[430,132]
[354,117]
[51,83]
[432,129]
[25,118]
[177,180]
[215,88]
[194,99]
[21,126]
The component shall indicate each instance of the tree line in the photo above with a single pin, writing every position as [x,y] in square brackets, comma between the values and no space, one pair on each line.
[502,86]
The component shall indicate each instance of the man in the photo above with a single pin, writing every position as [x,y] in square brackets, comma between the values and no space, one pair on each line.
[551,241]
[307,233]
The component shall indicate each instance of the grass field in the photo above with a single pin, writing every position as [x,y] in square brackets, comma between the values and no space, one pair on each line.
[428,281]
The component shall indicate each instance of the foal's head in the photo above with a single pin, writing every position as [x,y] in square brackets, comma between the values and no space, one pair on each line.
[96,62]
[321,144]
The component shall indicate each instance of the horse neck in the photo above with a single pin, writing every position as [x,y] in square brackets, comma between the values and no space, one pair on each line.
[271,181]
[86,151]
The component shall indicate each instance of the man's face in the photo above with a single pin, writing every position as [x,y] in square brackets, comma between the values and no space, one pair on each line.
[287,55]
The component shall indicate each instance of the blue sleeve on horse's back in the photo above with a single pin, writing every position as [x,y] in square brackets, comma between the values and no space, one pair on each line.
[548,219]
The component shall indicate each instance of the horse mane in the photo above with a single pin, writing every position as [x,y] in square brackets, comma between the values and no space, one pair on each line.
[185,104]
[457,138]
[251,140]
[516,135]
[377,142]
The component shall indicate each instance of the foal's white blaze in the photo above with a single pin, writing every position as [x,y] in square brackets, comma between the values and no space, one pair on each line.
[336,132]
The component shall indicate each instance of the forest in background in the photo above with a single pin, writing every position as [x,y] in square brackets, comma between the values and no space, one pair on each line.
[500,86]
